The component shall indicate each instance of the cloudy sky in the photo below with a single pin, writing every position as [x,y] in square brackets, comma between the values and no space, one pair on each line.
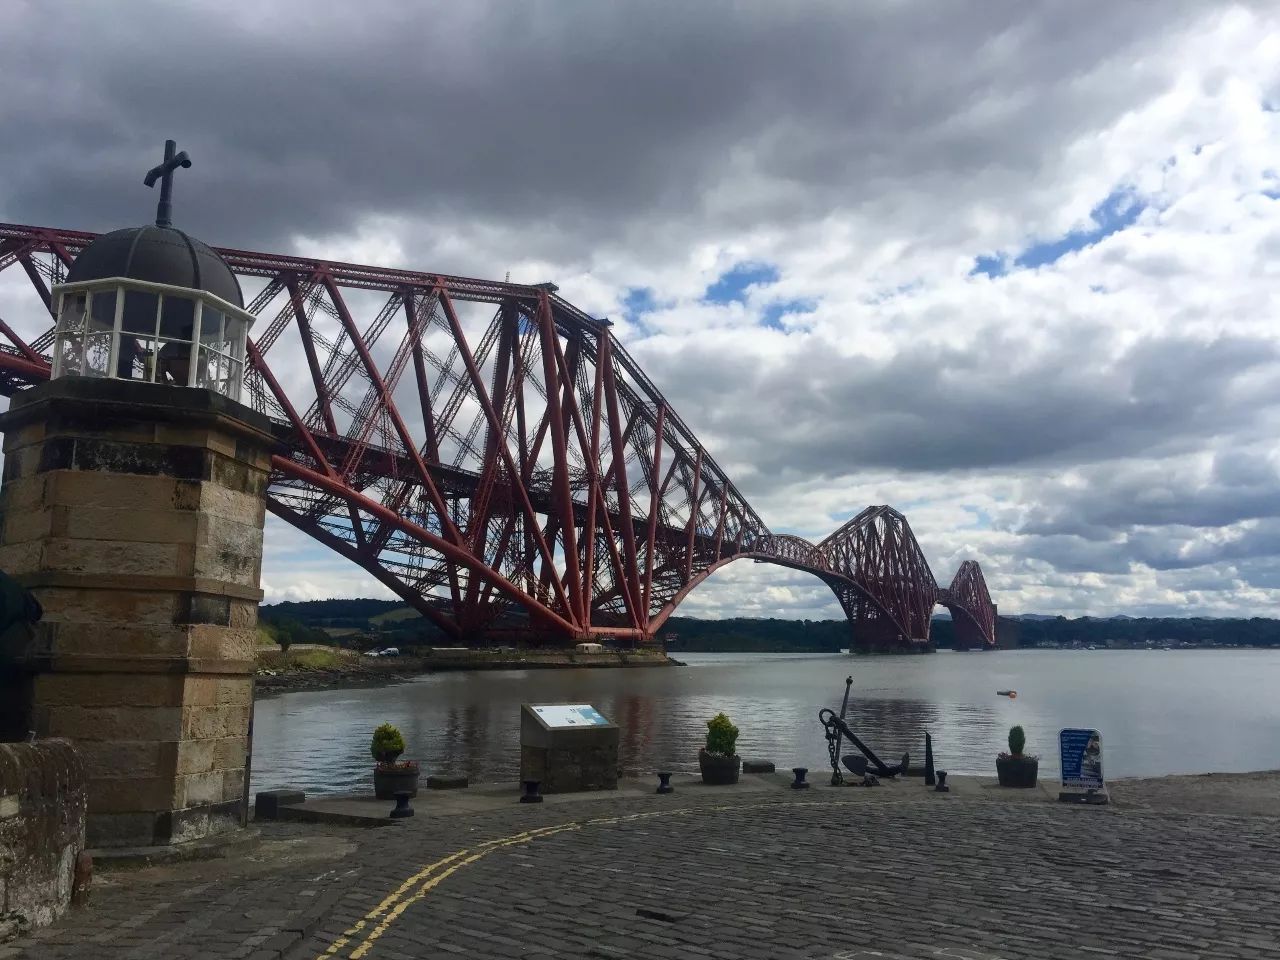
[1011,267]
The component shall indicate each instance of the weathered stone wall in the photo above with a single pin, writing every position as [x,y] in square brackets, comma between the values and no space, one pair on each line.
[42,818]
[134,513]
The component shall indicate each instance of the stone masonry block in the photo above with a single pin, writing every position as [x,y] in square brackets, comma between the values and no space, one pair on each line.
[189,436]
[19,525]
[74,488]
[196,756]
[26,435]
[19,558]
[115,557]
[215,501]
[204,723]
[139,758]
[109,690]
[125,794]
[233,782]
[24,493]
[209,691]
[210,642]
[109,723]
[244,615]
[229,752]
[153,525]
[200,788]
[85,638]
[88,605]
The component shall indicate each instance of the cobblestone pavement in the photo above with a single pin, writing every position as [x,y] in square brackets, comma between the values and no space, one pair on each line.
[830,874]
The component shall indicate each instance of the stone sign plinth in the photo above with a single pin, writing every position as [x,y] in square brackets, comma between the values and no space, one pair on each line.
[568,748]
[134,513]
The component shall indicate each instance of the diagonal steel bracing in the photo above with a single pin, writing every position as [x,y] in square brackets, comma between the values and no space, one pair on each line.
[500,462]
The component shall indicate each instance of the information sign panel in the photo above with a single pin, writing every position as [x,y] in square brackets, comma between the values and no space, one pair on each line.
[570,715]
[1081,759]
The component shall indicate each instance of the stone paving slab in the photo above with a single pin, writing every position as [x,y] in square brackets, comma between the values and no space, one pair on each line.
[482,798]
[897,872]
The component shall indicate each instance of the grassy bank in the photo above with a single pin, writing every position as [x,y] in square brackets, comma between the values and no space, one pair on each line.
[308,667]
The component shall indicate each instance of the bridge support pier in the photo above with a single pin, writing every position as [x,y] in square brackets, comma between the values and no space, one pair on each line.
[134,512]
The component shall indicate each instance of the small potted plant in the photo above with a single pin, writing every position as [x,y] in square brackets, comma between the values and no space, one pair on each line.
[1014,768]
[719,761]
[391,775]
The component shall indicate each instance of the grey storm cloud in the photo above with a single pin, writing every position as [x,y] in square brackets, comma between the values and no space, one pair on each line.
[931,408]
[562,123]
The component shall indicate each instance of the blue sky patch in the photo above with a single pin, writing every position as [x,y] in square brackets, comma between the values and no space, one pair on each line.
[639,300]
[1119,210]
[774,312]
[731,287]
[988,266]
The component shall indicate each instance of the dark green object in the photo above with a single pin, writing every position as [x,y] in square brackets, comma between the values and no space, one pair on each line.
[1017,740]
[387,743]
[722,736]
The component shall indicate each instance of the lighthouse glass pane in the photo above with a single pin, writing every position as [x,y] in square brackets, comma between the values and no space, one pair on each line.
[173,362]
[211,324]
[140,312]
[236,334]
[104,310]
[177,318]
[68,348]
[97,354]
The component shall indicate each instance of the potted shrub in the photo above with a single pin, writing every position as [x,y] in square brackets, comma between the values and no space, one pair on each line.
[1014,768]
[391,775]
[719,762]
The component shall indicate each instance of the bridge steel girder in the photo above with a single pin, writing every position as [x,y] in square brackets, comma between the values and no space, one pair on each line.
[972,612]
[500,462]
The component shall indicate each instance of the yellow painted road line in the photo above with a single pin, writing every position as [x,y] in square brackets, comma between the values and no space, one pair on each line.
[433,874]
[427,871]
[438,878]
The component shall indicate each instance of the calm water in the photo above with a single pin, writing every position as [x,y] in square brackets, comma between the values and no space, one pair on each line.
[1159,712]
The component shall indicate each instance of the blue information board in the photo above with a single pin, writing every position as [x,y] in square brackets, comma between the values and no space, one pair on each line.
[1081,759]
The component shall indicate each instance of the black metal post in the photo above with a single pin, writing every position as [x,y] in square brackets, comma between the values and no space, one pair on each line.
[664,783]
[929,778]
[402,805]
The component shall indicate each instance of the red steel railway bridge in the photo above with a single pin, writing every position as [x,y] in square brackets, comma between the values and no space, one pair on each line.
[493,456]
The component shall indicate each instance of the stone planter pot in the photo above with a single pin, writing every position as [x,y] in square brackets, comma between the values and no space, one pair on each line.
[1017,771]
[388,781]
[719,770]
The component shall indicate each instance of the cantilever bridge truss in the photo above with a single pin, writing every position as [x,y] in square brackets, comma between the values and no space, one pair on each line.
[493,456]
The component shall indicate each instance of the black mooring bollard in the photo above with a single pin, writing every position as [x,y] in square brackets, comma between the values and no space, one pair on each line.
[799,783]
[929,778]
[531,792]
[402,806]
[664,783]
[942,783]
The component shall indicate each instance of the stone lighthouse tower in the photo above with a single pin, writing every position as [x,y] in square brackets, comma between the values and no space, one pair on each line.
[132,507]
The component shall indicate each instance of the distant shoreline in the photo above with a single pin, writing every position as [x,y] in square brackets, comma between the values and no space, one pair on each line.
[334,668]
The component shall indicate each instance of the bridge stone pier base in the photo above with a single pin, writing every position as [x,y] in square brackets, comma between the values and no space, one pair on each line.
[134,513]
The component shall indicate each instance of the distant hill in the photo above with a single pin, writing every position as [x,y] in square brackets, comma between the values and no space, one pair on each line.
[367,622]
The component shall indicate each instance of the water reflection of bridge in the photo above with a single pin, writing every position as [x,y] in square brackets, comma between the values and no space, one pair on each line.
[501,460]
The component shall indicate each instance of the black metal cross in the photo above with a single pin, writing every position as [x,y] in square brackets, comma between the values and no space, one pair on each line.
[164,173]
